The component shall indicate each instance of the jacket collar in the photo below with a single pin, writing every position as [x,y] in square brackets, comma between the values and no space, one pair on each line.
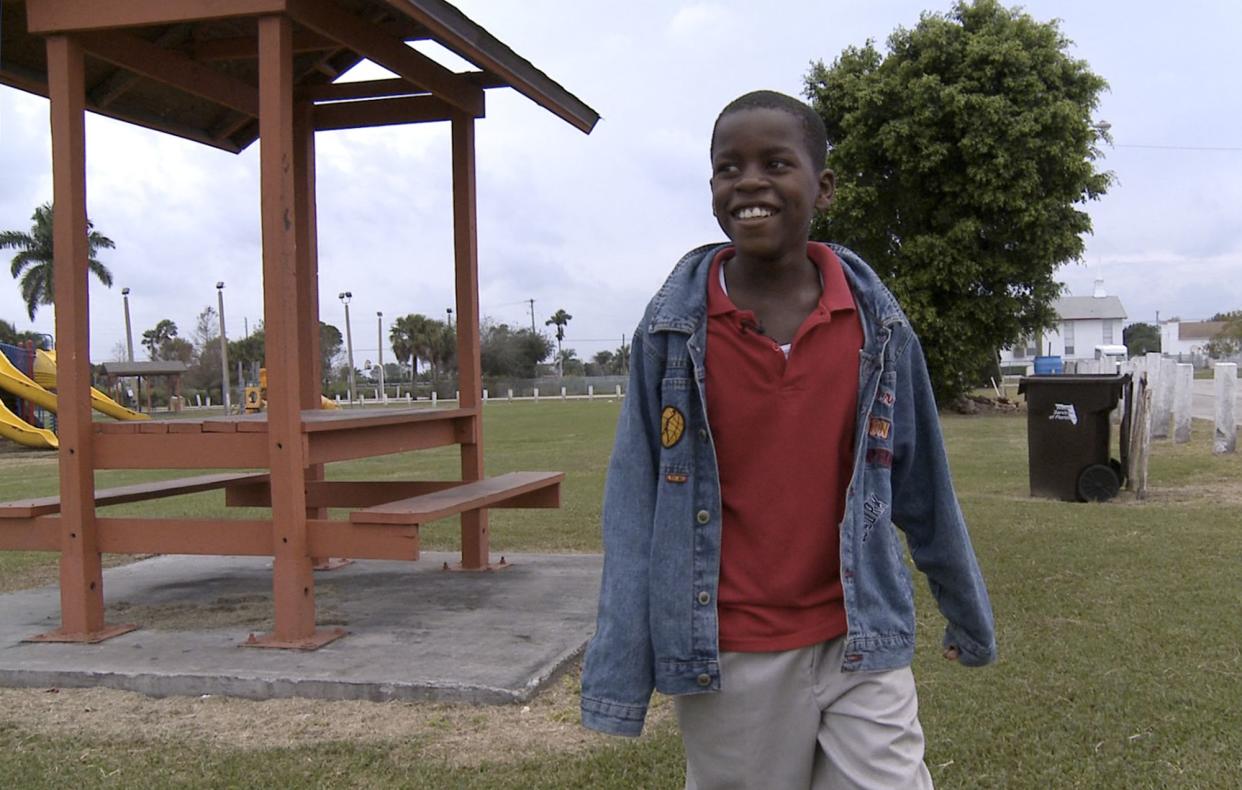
[681,303]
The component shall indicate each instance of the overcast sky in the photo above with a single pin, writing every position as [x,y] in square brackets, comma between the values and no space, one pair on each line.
[593,223]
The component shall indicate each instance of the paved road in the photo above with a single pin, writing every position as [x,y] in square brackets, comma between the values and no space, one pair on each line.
[1203,404]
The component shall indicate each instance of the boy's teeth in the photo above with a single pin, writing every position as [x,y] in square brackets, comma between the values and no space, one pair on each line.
[753,212]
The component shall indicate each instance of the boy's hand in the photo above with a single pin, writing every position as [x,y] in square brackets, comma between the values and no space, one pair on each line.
[951,653]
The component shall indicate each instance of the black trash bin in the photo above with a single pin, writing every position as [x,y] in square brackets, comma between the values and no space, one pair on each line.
[1068,435]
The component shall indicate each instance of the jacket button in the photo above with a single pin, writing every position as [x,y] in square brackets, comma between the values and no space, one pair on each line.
[704,680]
[705,598]
[703,434]
[703,517]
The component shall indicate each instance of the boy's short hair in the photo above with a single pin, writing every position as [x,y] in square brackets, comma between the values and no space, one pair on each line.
[813,131]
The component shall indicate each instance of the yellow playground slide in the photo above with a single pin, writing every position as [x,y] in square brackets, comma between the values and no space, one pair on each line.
[22,432]
[45,377]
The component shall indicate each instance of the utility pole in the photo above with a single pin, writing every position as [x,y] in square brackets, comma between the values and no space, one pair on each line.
[532,317]
[224,350]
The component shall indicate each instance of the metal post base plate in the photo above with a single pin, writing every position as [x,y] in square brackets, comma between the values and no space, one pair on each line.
[321,637]
[87,638]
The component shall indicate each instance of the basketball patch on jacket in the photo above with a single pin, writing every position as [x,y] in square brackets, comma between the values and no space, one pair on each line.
[672,426]
[879,428]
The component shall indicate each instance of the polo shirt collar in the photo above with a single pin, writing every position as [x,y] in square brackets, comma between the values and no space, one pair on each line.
[835,294]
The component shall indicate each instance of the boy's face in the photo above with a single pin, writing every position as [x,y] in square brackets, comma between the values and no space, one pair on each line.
[765,186]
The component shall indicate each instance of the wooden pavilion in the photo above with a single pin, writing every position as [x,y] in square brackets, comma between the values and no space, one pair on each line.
[226,73]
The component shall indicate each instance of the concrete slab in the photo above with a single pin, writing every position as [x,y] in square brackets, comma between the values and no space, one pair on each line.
[417,632]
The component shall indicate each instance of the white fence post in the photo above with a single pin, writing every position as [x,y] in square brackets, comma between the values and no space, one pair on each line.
[510,396]
[1225,439]
[1162,410]
[433,397]
[562,393]
[536,393]
[1182,397]
[590,392]
[618,390]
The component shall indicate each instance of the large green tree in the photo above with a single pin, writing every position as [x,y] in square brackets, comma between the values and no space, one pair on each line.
[33,261]
[516,353]
[963,156]
[1228,341]
[1140,338]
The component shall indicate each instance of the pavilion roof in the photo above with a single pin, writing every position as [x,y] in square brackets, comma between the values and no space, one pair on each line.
[197,77]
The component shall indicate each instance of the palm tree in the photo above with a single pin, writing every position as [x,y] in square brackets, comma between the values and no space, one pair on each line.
[561,319]
[156,339]
[33,261]
[423,339]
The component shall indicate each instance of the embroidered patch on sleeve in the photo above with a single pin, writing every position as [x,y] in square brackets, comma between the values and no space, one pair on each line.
[878,428]
[672,426]
[676,477]
[878,456]
[886,397]
[873,508]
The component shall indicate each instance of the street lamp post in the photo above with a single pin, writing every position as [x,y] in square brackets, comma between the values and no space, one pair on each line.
[379,321]
[345,296]
[224,351]
[449,311]
[129,335]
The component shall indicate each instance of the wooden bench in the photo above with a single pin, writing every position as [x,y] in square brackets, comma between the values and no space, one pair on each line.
[42,506]
[515,490]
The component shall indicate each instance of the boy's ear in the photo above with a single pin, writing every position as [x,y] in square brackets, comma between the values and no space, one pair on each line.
[827,188]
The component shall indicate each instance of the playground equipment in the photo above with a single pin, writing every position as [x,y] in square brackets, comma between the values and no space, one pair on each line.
[13,380]
[255,398]
[227,74]
[45,376]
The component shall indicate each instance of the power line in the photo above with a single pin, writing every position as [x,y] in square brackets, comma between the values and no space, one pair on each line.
[1180,147]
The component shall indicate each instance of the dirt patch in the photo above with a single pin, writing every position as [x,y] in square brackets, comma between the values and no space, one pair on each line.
[1215,492]
[458,734]
[227,611]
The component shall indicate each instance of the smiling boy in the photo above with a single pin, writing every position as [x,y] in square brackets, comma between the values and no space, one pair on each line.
[779,424]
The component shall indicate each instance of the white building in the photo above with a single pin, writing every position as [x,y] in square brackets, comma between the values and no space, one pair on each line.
[1083,322]
[1187,339]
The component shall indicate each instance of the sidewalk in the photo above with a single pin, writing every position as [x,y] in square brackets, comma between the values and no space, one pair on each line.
[417,632]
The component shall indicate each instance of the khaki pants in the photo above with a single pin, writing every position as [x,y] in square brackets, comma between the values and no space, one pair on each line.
[794,720]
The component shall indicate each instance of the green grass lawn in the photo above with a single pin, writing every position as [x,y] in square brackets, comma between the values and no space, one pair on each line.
[1117,624]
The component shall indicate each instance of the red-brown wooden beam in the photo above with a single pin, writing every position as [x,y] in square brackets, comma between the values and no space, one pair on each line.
[172,68]
[293,582]
[247,47]
[382,112]
[180,451]
[353,33]
[52,16]
[474,524]
[81,571]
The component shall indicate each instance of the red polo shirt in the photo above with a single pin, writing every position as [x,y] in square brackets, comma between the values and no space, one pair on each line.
[783,428]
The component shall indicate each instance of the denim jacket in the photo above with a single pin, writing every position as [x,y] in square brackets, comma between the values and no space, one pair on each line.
[657,624]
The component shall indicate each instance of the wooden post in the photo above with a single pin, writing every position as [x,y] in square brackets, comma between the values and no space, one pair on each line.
[474,537]
[1225,439]
[1183,397]
[81,572]
[307,296]
[1162,408]
[293,583]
